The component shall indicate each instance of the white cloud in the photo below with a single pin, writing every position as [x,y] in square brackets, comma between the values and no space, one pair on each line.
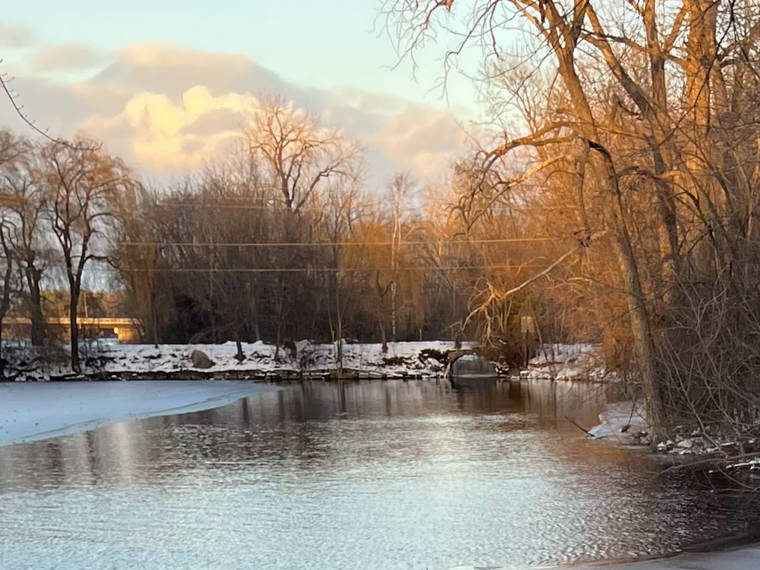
[423,141]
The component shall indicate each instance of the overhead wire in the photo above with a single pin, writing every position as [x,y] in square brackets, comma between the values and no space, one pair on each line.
[331,243]
[318,269]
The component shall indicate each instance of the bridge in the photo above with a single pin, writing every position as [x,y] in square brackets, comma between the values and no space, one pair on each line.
[126,329]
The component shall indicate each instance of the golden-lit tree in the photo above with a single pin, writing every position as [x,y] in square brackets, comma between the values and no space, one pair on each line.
[640,114]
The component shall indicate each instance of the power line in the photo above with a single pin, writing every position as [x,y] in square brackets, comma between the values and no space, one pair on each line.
[18,108]
[320,269]
[330,243]
[228,206]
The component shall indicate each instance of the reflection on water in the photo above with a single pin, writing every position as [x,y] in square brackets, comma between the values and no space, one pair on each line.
[354,475]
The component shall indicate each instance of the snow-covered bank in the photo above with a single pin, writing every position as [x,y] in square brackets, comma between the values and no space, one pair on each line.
[424,359]
[568,362]
[402,359]
[33,411]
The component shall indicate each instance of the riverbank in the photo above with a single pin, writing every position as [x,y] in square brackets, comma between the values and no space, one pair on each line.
[569,363]
[259,361]
[35,410]
[293,361]
[625,423]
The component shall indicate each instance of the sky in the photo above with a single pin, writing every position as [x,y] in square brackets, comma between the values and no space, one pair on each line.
[166,82]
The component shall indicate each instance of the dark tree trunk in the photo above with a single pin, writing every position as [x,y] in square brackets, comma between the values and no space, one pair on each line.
[74,327]
[254,311]
[2,352]
[280,310]
[33,277]
[383,338]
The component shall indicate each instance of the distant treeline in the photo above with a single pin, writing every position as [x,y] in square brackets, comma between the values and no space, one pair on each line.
[283,241]
[279,241]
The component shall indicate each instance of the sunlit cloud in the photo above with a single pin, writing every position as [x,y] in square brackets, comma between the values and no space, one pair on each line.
[163,134]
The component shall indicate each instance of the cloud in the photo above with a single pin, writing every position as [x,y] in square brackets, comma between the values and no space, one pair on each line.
[215,120]
[167,109]
[66,57]
[15,36]
[171,70]
[423,141]
[166,134]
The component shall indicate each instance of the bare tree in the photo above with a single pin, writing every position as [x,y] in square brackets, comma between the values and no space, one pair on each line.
[300,154]
[301,159]
[84,188]
[25,200]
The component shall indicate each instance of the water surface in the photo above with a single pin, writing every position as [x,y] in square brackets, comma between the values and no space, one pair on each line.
[365,475]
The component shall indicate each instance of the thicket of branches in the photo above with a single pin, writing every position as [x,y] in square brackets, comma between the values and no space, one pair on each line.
[635,123]
[282,242]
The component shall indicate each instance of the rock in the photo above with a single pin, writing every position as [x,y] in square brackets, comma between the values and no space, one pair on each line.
[201,360]
[665,445]
[686,443]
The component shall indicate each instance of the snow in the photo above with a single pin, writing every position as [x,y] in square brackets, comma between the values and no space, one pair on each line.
[567,362]
[401,359]
[751,464]
[33,411]
[620,420]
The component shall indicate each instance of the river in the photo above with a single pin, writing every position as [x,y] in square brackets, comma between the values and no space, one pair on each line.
[362,475]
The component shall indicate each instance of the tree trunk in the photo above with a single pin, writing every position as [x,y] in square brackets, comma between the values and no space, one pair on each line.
[383,338]
[254,311]
[2,352]
[701,55]
[641,330]
[74,328]
[339,328]
[641,327]
[33,276]
[6,301]
[278,326]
